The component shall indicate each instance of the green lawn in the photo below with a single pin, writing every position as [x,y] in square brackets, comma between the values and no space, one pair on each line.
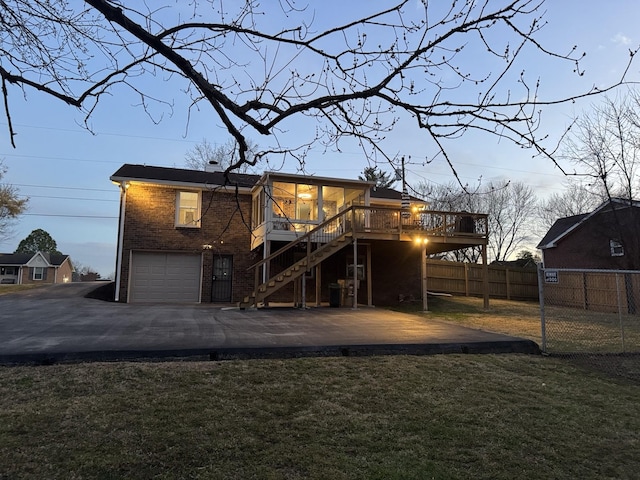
[4,289]
[389,417]
[443,417]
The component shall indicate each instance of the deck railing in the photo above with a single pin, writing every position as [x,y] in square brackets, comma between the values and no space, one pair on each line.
[428,222]
[363,221]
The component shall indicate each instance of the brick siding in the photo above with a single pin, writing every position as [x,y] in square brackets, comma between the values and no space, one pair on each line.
[225,225]
[588,245]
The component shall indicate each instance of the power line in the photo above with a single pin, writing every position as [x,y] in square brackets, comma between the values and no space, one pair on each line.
[108,134]
[63,159]
[67,216]
[112,190]
[71,198]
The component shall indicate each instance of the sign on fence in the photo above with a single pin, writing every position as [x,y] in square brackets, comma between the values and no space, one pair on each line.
[551,276]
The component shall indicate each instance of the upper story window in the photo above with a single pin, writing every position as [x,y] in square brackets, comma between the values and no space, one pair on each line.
[188,209]
[617,250]
[295,201]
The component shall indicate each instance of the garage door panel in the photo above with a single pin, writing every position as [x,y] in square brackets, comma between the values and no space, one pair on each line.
[165,277]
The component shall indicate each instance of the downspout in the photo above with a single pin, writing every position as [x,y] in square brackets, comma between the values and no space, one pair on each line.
[123,203]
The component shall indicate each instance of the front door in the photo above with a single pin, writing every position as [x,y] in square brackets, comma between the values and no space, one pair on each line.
[222,274]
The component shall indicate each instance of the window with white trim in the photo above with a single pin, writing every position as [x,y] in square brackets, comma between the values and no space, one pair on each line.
[188,209]
[39,273]
[617,250]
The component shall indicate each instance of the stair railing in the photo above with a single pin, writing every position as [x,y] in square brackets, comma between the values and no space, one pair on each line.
[302,247]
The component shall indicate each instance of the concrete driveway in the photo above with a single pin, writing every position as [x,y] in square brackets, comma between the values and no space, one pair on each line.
[58,323]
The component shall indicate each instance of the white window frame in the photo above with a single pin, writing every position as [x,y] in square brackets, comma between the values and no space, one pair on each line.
[617,249]
[196,212]
[35,273]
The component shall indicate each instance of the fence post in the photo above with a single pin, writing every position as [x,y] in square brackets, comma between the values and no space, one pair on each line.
[508,284]
[466,280]
[620,311]
[543,326]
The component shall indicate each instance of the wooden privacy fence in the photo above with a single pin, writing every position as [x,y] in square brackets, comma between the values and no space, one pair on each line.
[457,278]
[596,290]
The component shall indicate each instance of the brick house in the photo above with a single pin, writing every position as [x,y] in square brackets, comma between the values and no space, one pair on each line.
[607,238]
[41,267]
[193,236]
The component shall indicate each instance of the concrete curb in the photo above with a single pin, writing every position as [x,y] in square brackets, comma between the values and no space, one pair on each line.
[520,346]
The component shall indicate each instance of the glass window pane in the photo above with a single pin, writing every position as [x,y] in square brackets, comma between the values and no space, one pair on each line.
[354,196]
[307,202]
[188,208]
[332,201]
[283,202]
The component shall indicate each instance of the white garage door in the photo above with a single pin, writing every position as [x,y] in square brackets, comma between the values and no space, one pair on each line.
[165,277]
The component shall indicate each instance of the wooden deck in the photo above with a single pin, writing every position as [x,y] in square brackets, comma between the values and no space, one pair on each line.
[443,231]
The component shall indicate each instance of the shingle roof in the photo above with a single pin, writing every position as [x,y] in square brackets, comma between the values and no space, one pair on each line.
[179,175]
[390,194]
[15,258]
[57,259]
[559,227]
[22,258]
[199,177]
[563,226]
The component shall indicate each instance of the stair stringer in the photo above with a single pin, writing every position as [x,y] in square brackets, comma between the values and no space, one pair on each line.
[288,275]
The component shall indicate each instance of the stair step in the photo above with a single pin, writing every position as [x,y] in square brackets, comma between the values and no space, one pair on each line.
[284,277]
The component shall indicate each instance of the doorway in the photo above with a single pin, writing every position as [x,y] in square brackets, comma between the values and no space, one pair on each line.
[222,279]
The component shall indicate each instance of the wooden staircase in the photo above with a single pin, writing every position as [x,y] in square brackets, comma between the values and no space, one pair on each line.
[320,243]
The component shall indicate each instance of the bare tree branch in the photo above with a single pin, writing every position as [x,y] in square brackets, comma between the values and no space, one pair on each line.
[258,70]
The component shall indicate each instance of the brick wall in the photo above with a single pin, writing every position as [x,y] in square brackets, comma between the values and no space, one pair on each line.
[225,225]
[64,271]
[588,246]
[52,276]
[27,276]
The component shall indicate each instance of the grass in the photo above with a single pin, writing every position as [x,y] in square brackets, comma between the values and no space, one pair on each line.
[394,417]
[442,417]
[587,338]
[10,288]
[521,319]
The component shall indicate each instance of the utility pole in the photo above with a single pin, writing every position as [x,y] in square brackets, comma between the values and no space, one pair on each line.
[405,204]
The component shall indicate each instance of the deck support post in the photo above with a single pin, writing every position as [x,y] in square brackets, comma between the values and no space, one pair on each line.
[355,272]
[423,263]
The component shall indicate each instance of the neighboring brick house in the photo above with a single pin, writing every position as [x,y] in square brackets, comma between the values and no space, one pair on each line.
[41,267]
[607,238]
[195,236]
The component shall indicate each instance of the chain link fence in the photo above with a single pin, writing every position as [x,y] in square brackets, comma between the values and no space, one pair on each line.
[592,316]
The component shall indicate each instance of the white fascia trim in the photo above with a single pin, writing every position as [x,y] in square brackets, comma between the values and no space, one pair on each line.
[38,254]
[312,179]
[187,185]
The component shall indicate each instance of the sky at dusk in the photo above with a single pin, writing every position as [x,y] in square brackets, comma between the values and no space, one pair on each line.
[64,169]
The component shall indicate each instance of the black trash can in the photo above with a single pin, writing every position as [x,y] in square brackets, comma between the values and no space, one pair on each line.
[334,295]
